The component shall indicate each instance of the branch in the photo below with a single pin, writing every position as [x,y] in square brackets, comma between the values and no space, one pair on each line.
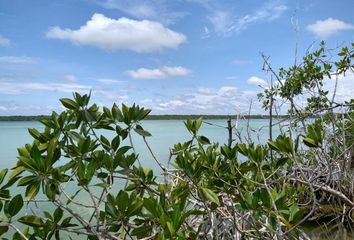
[326,189]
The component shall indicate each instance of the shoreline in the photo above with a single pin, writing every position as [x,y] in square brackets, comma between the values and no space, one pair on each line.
[150,117]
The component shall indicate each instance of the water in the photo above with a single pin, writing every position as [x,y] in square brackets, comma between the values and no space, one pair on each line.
[165,133]
[12,136]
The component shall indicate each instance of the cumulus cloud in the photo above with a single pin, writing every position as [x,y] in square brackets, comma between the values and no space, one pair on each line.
[17,60]
[159,73]
[4,42]
[325,28]
[123,33]
[257,81]
[70,78]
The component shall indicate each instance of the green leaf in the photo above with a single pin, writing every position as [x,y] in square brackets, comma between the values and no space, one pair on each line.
[141,232]
[204,140]
[31,220]
[198,123]
[134,208]
[15,205]
[122,200]
[241,148]
[273,145]
[208,194]
[66,223]
[281,161]
[34,133]
[115,142]
[3,174]
[27,180]
[15,172]
[150,204]
[58,214]
[68,103]
[310,142]
[32,190]
[138,129]
[295,213]
[170,228]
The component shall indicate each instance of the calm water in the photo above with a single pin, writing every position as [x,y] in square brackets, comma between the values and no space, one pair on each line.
[165,133]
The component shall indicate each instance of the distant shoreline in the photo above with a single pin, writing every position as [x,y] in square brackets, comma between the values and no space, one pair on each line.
[151,117]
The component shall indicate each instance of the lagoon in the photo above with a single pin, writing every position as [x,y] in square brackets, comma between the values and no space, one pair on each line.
[165,133]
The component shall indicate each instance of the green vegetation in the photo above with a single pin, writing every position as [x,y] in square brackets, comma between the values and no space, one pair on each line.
[240,191]
[23,118]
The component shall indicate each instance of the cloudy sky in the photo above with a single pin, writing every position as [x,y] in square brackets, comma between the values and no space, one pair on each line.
[173,56]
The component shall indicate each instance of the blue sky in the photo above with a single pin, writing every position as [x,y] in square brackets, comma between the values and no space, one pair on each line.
[175,57]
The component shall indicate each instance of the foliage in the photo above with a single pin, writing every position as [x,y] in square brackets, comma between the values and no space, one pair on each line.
[83,165]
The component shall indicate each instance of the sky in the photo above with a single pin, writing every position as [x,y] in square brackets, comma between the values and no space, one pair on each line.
[172,56]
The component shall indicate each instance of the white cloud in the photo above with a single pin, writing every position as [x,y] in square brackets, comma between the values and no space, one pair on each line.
[145,73]
[70,78]
[18,88]
[153,9]
[4,42]
[268,12]
[8,106]
[222,22]
[159,73]
[109,80]
[230,100]
[345,87]
[176,71]
[325,28]
[17,60]
[257,81]
[223,100]
[123,33]
[226,22]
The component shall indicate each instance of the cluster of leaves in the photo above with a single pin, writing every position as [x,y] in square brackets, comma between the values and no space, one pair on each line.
[84,165]
[308,79]
[329,138]
[72,151]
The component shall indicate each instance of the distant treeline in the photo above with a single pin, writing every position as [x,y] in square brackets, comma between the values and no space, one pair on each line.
[150,117]
[23,118]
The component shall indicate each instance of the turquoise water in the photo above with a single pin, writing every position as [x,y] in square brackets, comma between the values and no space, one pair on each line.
[165,133]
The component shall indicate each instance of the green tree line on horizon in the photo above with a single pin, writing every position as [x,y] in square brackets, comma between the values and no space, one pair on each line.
[152,117]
